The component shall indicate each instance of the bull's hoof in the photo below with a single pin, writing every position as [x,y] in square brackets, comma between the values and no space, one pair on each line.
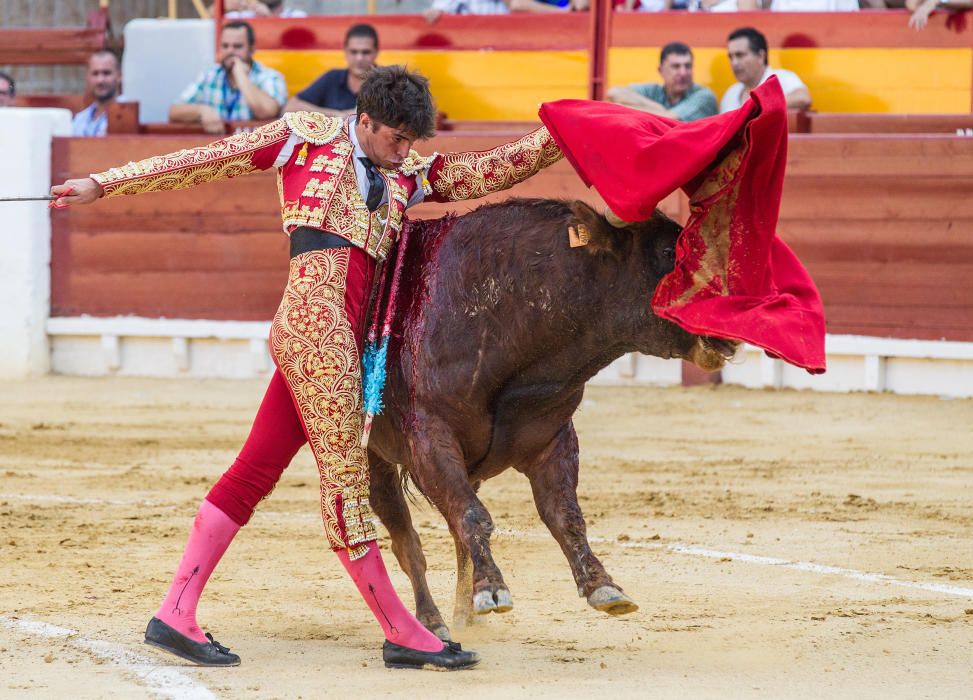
[486,602]
[610,600]
[441,631]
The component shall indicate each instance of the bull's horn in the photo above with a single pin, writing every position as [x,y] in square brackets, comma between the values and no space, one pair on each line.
[614,219]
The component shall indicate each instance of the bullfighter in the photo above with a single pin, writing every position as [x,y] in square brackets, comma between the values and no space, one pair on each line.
[344,185]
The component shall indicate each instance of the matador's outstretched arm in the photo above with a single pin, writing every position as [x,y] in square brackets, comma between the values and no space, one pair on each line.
[472,174]
[236,155]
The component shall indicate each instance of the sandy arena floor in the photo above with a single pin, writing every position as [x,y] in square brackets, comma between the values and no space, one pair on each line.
[708,506]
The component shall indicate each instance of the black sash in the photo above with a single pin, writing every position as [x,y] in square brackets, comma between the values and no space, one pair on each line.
[304,239]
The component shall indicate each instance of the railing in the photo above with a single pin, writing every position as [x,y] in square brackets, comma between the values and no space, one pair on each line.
[55,46]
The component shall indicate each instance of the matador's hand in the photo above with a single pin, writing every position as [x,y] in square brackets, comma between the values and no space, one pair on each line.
[80,191]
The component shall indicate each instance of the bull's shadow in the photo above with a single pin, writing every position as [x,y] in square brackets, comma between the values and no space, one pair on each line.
[499,324]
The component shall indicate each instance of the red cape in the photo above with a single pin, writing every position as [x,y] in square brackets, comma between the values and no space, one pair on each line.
[734,278]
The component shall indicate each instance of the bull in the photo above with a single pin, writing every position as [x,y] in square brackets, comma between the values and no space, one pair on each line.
[498,327]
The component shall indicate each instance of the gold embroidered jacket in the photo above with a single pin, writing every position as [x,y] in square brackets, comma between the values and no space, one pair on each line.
[317,184]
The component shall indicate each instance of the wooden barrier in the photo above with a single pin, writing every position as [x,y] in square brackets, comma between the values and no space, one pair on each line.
[883,223]
[502,67]
[53,46]
[887,123]
[885,226]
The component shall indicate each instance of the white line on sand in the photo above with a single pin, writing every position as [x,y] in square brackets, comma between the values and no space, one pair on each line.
[809,566]
[159,679]
[696,551]
[54,498]
[691,550]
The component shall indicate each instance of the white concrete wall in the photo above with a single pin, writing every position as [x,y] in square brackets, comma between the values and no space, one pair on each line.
[188,47]
[863,363]
[174,348]
[25,237]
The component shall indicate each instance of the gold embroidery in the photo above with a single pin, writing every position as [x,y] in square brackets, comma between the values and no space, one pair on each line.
[315,349]
[397,191]
[314,127]
[413,163]
[319,188]
[478,173]
[328,163]
[713,229]
[333,201]
[222,159]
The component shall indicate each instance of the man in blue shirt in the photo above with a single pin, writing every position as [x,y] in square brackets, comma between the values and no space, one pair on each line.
[336,92]
[104,79]
[237,88]
[677,97]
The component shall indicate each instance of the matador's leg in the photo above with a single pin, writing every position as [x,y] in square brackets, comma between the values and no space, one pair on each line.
[314,340]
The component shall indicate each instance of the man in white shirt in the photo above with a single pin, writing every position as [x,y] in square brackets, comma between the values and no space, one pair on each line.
[747,50]
[248,9]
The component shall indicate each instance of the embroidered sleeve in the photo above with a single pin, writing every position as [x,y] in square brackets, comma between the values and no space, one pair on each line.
[237,155]
[458,176]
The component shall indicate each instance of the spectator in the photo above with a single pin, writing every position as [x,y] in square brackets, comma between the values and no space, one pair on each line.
[500,7]
[245,9]
[747,49]
[811,5]
[921,9]
[104,83]
[236,88]
[677,97]
[7,90]
[336,92]
[647,5]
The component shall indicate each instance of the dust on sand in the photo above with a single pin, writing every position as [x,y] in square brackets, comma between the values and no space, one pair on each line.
[100,478]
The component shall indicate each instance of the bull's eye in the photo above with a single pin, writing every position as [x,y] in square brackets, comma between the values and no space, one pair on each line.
[669,253]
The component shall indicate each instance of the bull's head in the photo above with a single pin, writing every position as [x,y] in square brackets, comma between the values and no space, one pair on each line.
[645,253]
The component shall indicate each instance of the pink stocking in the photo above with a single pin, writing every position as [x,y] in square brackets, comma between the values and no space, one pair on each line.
[213,530]
[400,626]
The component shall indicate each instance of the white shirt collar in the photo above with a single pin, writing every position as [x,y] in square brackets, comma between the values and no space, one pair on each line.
[353,135]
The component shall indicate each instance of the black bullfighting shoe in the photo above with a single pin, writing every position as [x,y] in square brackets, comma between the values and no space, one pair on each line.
[210,653]
[450,658]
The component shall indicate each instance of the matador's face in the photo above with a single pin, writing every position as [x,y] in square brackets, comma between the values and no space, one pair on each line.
[386,146]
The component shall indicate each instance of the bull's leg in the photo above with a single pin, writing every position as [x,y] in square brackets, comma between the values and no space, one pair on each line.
[463,605]
[554,481]
[389,504]
[441,474]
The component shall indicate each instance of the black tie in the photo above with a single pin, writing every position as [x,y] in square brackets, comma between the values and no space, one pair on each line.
[376,186]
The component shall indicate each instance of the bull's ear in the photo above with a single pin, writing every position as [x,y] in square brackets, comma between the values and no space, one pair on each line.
[591,230]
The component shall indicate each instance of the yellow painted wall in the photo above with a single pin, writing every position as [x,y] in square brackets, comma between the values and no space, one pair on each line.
[511,84]
[840,80]
[466,84]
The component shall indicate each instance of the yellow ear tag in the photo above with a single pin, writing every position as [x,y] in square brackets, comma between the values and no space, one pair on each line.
[302,155]
[579,236]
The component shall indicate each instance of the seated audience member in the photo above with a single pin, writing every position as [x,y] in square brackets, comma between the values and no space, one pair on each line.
[647,5]
[747,50]
[245,9]
[717,5]
[921,9]
[8,90]
[677,97]
[500,7]
[811,5]
[104,83]
[237,88]
[466,7]
[336,92]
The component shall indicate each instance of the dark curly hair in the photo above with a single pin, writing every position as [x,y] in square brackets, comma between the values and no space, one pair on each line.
[398,97]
